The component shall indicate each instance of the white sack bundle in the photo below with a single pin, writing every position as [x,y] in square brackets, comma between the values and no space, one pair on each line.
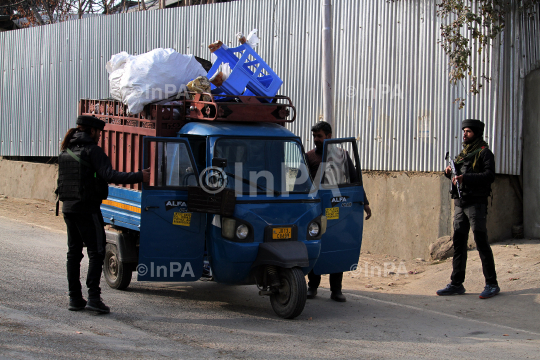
[155,75]
[115,68]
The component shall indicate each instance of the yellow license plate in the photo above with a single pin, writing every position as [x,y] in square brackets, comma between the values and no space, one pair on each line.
[281,233]
[332,213]
[182,219]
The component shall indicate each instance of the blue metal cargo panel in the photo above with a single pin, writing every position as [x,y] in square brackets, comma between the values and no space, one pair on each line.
[122,208]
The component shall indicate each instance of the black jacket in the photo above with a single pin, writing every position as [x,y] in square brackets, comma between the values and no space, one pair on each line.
[103,168]
[476,185]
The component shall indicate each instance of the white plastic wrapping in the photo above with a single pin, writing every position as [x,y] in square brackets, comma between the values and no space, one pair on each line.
[115,67]
[221,74]
[146,78]
[252,39]
[213,56]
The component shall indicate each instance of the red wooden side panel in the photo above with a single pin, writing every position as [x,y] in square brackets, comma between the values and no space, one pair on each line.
[120,161]
[128,166]
[138,155]
[130,160]
[122,138]
[113,155]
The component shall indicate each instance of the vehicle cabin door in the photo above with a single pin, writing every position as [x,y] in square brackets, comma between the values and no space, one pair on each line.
[171,239]
[342,198]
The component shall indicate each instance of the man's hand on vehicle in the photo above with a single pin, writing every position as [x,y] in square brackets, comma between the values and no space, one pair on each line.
[146,175]
[367,209]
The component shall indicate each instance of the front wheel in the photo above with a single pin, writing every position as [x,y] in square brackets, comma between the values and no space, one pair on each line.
[117,274]
[291,297]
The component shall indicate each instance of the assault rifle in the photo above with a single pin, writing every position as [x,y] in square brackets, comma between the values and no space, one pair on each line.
[454,172]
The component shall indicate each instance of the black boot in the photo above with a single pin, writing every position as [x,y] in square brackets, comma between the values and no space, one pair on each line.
[97,305]
[338,296]
[76,304]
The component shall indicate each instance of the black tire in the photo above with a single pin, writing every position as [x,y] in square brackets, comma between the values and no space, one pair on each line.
[291,299]
[117,274]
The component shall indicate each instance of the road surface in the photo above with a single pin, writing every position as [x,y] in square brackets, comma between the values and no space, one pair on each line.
[208,320]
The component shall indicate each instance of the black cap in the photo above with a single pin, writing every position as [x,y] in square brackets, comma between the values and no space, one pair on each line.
[473,124]
[91,121]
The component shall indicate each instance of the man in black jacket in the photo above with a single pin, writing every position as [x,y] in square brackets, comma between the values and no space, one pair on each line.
[83,173]
[475,166]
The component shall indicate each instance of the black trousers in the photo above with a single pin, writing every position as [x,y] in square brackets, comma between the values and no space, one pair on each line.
[87,229]
[335,281]
[472,216]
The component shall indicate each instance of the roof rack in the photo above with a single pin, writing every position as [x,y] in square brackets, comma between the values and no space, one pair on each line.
[274,109]
[166,117]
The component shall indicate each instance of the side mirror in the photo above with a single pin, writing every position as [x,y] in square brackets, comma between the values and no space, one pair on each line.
[219,162]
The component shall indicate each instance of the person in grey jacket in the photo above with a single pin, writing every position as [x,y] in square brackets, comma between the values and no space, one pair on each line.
[84,171]
[475,167]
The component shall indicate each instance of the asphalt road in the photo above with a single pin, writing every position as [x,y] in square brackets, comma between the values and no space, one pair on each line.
[209,320]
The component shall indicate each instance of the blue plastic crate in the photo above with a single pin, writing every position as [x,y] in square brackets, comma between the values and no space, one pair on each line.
[249,73]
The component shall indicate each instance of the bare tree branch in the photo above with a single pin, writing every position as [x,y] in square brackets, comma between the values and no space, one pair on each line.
[37,15]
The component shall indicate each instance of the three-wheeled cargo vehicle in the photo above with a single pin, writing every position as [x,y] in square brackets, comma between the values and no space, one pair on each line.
[230,197]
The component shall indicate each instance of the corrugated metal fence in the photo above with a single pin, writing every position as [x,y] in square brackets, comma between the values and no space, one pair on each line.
[391,88]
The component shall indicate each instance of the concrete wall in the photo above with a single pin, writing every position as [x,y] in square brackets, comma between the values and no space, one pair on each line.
[28,180]
[531,156]
[410,210]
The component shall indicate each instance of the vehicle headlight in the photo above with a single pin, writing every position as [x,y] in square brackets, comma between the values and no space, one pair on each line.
[314,229]
[242,231]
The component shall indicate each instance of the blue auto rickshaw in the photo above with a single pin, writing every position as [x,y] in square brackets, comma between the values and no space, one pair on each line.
[235,202]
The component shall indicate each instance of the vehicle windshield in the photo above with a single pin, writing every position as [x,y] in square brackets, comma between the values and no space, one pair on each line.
[264,166]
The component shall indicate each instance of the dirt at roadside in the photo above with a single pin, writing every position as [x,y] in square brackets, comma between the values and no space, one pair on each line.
[517,261]
[36,212]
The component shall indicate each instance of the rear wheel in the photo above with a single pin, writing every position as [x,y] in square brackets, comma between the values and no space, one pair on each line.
[117,274]
[290,299]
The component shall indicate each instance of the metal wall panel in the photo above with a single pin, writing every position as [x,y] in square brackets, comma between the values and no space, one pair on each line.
[3,124]
[7,97]
[391,88]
